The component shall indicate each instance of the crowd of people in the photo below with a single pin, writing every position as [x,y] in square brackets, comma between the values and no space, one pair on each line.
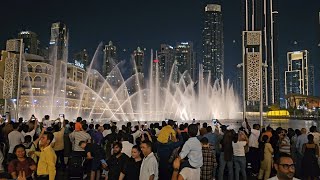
[37,150]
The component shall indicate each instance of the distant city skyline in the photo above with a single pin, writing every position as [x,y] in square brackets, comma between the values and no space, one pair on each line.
[150,28]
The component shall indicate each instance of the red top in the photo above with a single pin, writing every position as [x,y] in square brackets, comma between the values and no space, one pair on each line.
[17,166]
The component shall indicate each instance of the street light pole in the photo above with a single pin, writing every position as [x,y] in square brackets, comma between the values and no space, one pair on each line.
[19,80]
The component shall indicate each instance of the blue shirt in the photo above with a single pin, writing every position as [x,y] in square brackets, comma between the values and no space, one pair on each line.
[301,140]
[212,139]
[193,149]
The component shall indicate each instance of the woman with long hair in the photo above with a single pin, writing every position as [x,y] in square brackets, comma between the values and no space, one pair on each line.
[266,151]
[226,155]
[21,163]
[131,169]
[310,164]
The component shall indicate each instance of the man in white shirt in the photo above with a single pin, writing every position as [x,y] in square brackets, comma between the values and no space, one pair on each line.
[149,167]
[25,132]
[253,156]
[15,137]
[126,146]
[285,168]
[106,130]
[46,122]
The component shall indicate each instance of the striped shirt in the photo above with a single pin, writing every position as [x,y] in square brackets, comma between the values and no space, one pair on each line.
[76,137]
[285,146]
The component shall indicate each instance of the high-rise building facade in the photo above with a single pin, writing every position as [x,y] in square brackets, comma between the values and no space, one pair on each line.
[262,15]
[109,60]
[184,58]
[59,41]
[138,56]
[212,41]
[166,57]
[297,74]
[82,57]
[311,80]
[31,42]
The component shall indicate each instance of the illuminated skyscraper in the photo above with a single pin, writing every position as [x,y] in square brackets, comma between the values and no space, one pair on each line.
[297,74]
[59,40]
[109,61]
[31,42]
[311,80]
[166,57]
[184,58]
[212,41]
[82,57]
[138,56]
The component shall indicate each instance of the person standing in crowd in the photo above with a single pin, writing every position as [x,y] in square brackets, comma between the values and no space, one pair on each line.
[266,158]
[226,155]
[284,143]
[131,169]
[127,146]
[268,132]
[212,137]
[239,142]
[106,130]
[25,132]
[96,135]
[21,163]
[149,167]
[78,125]
[77,136]
[285,167]
[95,154]
[167,133]
[253,154]
[301,140]
[310,164]
[167,153]
[58,145]
[316,135]
[15,137]
[109,140]
[46,122]
[209,160]
[192,149]
[47,158]
[116,162]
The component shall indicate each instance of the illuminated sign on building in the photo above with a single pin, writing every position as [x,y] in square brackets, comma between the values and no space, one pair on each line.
[78,64]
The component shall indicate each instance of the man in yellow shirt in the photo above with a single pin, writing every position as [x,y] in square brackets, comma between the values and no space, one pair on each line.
[167,133]
[47,158]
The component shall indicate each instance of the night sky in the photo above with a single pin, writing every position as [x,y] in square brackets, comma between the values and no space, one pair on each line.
[147,23]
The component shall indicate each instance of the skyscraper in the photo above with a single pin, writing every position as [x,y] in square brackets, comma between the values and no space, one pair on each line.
[31,42]
[166,57]
[82,57]
[138,56]
[184,58]
[212,41]
[109,60]
[311,80]
[59,40]
[297,74]
[262,15]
